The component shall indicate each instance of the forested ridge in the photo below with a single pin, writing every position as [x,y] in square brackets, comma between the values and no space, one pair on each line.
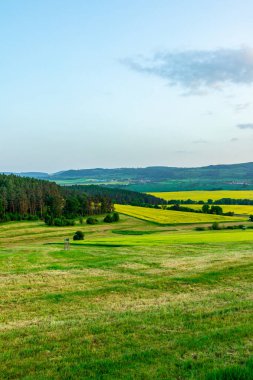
[29,198]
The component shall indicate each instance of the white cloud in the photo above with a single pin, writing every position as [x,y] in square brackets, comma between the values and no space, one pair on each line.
[197,70]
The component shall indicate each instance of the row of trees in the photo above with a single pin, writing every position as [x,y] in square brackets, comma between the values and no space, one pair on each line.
[206,209]
[121,196]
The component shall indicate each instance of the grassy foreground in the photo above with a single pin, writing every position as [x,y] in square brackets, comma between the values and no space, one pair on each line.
[150,308]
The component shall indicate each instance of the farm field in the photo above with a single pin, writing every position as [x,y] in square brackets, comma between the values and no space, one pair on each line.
[205,195]
[237,209]
[170,217]
[134,300]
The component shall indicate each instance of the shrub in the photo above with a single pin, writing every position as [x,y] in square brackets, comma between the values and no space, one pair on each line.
[215,226]
[216,210]
[59,222]
[111,218]
[115,216]
[205,209]
[79,235]
[33,217]
[108,219]
[49,220]
[200,228]
[251,218]
[81,220]
[91,220]
[69,222]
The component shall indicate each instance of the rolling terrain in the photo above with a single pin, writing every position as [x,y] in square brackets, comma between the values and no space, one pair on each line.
[133,300]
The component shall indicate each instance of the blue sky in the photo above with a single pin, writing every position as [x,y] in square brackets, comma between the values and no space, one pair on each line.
[125,83]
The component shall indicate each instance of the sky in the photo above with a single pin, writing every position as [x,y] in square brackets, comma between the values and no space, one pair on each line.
[125,83]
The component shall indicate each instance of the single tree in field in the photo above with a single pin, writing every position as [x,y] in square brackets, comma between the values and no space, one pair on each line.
[205,209]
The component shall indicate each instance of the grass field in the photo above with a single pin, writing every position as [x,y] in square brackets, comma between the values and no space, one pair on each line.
[170,217]
[205,195]
[172,303]
[192,237]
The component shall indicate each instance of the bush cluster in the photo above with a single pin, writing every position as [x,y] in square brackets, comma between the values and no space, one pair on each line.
[9,217]
[59,222]
[111,218]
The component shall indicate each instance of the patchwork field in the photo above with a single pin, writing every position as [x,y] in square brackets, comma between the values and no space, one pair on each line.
[205,195]
[170,217]
[134,300]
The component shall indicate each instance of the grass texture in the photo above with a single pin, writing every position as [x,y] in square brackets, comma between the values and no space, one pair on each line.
[170,304]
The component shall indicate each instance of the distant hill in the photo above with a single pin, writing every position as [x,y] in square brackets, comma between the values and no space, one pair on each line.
[38,175]
[159,178]
[159,172]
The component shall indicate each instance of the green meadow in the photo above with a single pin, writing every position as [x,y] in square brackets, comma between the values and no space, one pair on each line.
[134,300]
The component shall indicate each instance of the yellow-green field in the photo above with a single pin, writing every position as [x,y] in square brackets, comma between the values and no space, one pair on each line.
[205,195]
[237,209]
[173,217]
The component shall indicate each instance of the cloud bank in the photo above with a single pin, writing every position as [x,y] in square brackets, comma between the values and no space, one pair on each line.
[199,69]
[245,126]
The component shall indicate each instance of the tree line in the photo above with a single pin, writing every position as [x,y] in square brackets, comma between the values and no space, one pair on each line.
[120,196]
[206,209]
[28,198]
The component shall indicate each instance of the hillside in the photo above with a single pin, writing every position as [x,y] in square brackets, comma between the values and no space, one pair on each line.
[159,178]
